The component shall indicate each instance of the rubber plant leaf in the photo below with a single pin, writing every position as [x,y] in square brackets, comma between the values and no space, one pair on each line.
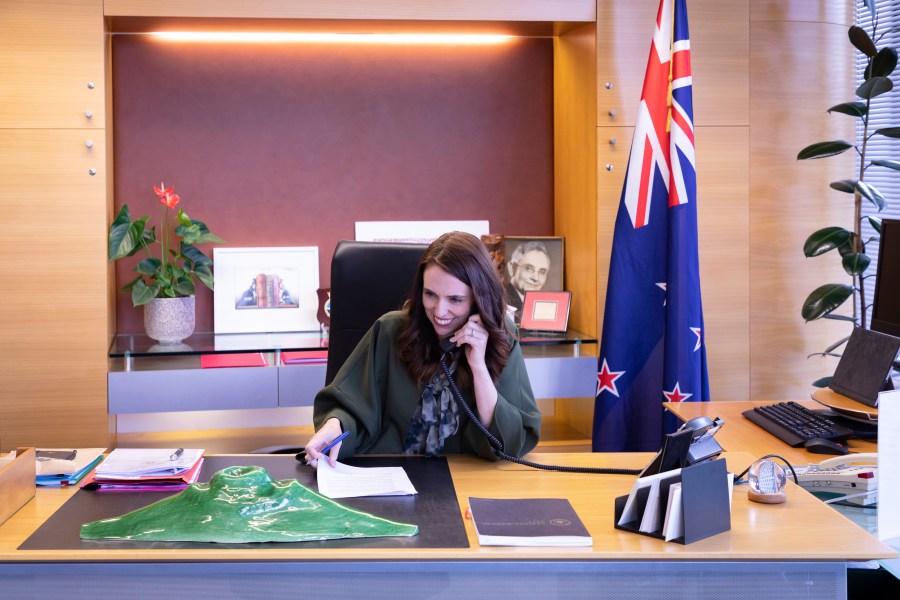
[844,185]
[824,149]
[854,109]
[855,263]
[825,299]
[861,41]
[825,240]
[874,87]
[872,195]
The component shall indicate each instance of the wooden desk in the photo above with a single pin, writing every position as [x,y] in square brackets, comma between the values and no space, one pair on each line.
[787,542]
[739,434]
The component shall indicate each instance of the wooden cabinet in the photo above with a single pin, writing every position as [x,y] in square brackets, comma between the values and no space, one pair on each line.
[53,317]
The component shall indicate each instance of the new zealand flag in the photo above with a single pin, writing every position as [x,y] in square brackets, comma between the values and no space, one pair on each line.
[652,349]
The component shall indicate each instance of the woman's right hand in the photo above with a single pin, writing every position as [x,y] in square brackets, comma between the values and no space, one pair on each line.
[330,430]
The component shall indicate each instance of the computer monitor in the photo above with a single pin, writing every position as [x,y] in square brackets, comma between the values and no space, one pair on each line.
[886,305]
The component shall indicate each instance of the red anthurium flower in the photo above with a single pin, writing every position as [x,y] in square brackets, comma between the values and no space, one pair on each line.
[162,191]
[170,200]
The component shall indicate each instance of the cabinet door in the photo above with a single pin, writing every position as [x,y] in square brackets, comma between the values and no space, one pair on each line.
[53,317]
[50,55]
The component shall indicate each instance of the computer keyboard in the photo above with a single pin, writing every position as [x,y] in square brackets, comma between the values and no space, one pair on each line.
[793,423]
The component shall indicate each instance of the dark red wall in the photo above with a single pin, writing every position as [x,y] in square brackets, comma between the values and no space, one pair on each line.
[291,144]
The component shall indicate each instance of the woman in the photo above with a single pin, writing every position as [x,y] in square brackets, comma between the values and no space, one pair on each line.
[391,394]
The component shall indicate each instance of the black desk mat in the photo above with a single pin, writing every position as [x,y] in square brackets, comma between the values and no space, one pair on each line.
[434,509]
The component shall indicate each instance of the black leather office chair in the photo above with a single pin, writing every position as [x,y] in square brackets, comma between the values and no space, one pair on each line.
[368,279]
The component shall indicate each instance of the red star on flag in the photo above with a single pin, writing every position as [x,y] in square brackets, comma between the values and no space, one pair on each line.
[676,395]
[606,380]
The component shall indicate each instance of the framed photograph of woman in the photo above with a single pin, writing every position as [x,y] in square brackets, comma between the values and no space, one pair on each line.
[533,264]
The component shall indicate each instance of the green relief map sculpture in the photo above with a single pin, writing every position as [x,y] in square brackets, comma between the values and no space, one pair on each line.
[244,504]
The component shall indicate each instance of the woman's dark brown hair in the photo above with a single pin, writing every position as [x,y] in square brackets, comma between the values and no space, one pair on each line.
[465,257]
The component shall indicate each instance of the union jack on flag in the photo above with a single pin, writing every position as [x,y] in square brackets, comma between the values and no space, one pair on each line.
[652,348]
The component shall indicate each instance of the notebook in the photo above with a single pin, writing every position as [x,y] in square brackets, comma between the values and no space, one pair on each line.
[864,366]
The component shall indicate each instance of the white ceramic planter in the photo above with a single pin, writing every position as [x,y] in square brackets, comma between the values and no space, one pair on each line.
[169,320]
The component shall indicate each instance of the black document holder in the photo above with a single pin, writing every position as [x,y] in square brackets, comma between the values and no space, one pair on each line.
[705,503]
[865,365]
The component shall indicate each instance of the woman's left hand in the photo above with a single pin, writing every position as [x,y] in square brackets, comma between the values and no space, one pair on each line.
[475,337]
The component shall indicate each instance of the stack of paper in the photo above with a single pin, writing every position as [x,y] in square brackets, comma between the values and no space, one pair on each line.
[65,466]
[344,481]
[146,469]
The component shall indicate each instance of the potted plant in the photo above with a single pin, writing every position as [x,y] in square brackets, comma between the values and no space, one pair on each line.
[849,243]
[165,285]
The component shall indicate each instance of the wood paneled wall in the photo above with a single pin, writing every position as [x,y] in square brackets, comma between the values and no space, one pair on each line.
[801,64]
[765,72]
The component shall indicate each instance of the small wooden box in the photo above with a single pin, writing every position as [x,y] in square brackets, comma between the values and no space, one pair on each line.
[16,483]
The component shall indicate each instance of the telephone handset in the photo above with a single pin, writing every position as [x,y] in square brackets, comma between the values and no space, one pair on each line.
[449,348]
[853,475]
[865,458]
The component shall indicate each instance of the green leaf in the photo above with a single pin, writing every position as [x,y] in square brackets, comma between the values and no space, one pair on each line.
[874,87]
[184,286]
[823,382]
[194,255]
[890,164]
[854,109]
[824,149]
[835,317]
[891,132]
[148,266]
[125,235]
[844,185]
[884,62]
[197,233]
[836,345]
[127,287]
[143,293]
[824,240]
[875,222]
[872,195]
[205,275]
[848,247]
[855,263]
[825,299]
[861,41]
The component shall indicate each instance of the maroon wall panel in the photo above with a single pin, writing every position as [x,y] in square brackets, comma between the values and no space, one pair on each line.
[291,144]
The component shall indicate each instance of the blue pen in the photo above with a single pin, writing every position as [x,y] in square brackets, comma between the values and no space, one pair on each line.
[334,442]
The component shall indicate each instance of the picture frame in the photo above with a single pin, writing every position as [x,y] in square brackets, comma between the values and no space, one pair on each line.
[531,264]
[546,311]
[259,290]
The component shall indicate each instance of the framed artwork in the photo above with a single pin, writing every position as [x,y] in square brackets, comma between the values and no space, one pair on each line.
[531,264]
[546,311]
[265,289]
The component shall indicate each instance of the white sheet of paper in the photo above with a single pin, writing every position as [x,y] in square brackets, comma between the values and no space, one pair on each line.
[673,526]
[629,512]
[344,481]
[888,514]
[650,518]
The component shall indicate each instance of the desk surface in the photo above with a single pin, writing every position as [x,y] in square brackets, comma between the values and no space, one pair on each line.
[792,531]
[741,434]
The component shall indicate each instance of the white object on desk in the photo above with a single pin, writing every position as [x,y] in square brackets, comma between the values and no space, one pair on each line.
[888,465]
[344,481]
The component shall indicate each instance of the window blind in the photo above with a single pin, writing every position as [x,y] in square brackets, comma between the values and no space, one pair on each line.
[883,112]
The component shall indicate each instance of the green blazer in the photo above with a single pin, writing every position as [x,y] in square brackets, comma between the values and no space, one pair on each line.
[374,398]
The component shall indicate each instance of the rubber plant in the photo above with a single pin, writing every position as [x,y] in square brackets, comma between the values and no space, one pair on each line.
[849,243]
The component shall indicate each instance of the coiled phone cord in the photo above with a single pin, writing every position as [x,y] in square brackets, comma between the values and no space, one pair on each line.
[497,445]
